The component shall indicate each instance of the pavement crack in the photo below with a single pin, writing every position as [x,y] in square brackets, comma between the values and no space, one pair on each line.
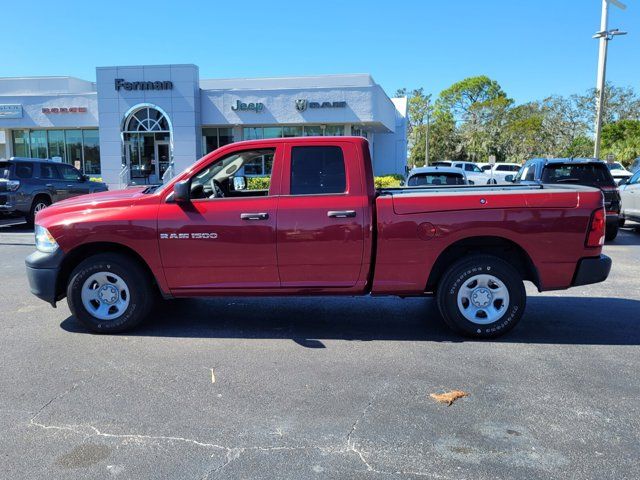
[351,444]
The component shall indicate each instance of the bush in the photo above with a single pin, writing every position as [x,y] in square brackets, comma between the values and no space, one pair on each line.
[258,183]
[388,181]
[95,179]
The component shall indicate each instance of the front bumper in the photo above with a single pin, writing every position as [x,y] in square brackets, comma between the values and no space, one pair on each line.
[42,273]
[592,270]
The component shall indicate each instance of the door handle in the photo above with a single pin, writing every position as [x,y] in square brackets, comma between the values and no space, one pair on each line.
[254,216]
[49,185]
[341,213]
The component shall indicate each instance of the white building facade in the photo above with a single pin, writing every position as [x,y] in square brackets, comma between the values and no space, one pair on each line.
[134,123]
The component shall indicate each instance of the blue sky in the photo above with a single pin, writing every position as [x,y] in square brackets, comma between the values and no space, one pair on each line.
[532,48]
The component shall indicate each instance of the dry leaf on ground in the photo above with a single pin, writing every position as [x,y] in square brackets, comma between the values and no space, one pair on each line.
[449,397]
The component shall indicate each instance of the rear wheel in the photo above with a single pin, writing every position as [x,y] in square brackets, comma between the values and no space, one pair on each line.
[481,296]
[110,293]
[39,203]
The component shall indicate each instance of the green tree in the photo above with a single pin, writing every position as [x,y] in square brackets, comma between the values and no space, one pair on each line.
[622,139]
[419,110]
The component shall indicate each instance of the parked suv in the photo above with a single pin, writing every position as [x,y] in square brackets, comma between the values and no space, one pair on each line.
[27,185]
[577,171]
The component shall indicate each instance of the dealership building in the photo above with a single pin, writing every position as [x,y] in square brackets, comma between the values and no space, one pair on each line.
[133,123]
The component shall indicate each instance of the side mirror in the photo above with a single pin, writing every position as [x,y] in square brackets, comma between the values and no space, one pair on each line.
[239,183]
[181,191]
[509,178]
[402,184]
[623,181]
[471,182]
[83,178]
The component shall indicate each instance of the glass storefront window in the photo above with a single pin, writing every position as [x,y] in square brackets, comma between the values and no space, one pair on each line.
[334,130]
[80,148]
[292,132]
[73,141]
[225,136]
[213,138]
[272,132]
[358,132]
[312,131]
[38,143]
[91,145]
[56,144]
[252,133]
[20,143]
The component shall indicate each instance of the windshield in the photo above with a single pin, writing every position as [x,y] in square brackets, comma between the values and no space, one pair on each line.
[615,166]
[593,174]
[436,178]
[5,169]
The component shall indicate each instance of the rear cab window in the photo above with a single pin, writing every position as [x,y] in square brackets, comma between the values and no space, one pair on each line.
[317,170]
[592,174]
[442,178]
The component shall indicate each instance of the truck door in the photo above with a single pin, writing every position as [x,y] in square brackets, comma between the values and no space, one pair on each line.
[321,216]
[221,239]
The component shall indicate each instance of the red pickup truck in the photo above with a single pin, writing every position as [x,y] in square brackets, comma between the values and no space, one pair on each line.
[320,228]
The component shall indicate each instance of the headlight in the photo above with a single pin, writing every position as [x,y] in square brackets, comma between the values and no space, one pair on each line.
[44,240]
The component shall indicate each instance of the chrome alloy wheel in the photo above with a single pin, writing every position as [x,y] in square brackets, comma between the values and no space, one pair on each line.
[39,206]
[483,299]
[105,295]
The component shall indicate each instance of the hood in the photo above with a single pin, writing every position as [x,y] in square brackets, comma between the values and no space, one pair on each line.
[95,201]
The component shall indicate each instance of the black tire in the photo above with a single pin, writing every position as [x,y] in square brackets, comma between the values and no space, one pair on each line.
[40,202]
[611,232]
[140,292]
[467,268]
[621,221]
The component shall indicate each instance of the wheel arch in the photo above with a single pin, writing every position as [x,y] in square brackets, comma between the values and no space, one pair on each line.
[500,247]
[40,194]
[73,258]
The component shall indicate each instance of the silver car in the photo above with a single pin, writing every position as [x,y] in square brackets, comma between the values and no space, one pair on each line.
[630,194]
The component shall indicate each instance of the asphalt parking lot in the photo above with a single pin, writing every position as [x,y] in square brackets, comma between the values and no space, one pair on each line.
[322,388]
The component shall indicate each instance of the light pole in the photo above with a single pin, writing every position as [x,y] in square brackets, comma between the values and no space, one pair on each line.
[605,36]
[426,144]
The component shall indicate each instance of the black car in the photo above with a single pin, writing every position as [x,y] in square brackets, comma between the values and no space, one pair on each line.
[27,185]
[578,171]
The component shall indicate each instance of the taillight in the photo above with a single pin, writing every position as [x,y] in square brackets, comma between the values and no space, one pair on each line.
[595,235]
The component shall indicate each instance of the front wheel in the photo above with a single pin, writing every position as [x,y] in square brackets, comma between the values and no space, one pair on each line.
[481,296]
[109,293]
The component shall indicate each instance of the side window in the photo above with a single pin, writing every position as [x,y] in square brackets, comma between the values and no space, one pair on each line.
[67,172]
[530,175]
[216,180]
[521,173]
[317,170]
[48,171]
[635,179]
[24,170]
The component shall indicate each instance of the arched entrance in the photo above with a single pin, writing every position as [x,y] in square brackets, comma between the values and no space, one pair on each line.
[147,139]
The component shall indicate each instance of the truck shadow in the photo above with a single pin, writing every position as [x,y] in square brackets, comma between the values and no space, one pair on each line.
[309,321]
